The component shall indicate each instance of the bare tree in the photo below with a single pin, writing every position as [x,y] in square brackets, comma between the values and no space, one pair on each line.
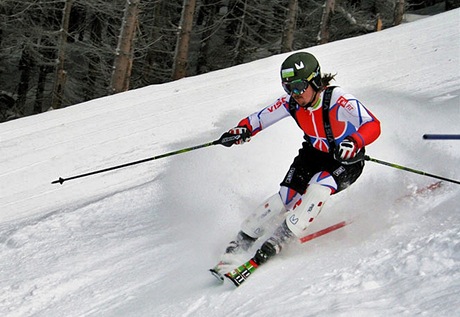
[324,34]
[383,10]
[94,56]
[60,77]
[288,34]
[27,45]
[183,40]
[124,53]
[156,42]
[399,12]
[25,67]
[207,24]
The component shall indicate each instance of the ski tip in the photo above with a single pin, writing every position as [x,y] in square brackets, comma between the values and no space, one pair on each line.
[235,278]
[217,275]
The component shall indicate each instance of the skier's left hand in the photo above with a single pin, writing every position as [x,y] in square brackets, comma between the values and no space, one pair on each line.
[346,150]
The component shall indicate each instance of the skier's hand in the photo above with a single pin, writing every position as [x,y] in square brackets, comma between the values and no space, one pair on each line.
[237,135]
[243,132]
[346,150]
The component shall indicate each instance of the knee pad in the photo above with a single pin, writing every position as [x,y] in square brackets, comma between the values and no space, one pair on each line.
[313,201]
[264,217]
[325,179]
[289,197]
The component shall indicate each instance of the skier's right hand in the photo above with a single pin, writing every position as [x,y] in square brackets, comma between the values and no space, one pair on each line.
[243,132]
[237,135]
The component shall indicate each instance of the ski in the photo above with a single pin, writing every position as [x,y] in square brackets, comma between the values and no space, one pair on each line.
[324,231]
[217,275]
[221,268]
[240,274]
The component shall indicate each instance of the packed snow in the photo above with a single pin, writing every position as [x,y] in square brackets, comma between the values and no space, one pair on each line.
[139,241]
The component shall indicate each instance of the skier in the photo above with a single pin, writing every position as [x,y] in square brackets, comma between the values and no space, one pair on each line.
[337,127]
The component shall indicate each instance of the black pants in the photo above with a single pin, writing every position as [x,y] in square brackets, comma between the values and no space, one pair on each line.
[310,161]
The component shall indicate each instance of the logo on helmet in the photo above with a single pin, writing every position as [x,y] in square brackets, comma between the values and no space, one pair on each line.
[286,73]
[299,66]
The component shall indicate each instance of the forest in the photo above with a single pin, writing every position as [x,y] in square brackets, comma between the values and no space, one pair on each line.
[58,53]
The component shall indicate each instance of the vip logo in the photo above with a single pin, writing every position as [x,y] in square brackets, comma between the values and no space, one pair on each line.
[299,66]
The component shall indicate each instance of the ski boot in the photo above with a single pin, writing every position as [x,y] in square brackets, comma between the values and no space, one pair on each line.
[241,244]
[274,244]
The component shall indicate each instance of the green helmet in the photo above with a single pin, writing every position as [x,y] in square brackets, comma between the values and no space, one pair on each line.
[301,66]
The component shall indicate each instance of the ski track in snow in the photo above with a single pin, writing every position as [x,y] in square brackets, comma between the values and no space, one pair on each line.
[139,241]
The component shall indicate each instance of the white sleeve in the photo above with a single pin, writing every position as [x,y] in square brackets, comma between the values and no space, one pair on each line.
[269,115]
[350,109]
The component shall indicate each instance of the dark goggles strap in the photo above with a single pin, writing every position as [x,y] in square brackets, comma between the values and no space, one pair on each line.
[327,123]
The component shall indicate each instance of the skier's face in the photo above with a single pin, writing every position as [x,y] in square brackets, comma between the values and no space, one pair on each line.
[306,98]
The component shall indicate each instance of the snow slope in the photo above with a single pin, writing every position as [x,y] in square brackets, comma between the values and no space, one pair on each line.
[138,241]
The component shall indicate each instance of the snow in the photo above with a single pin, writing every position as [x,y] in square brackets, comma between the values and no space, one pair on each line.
[138,241]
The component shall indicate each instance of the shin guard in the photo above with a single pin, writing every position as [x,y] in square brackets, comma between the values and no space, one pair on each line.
[313,200]
[264,217]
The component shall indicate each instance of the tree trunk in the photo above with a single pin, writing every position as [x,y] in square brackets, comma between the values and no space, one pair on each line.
[399,12]
[124,53]
[38,105]
[25,66]
[60,77]
[206,19]
[239,49]
[148,70]
[94,60]
[288,35]
[183,41]
[324,26]
[378,23]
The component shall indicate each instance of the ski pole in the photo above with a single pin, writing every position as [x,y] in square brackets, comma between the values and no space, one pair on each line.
[441,136]
[227,139]
[408,169]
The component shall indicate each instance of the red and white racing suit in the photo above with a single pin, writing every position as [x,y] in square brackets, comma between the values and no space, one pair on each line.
[348,118]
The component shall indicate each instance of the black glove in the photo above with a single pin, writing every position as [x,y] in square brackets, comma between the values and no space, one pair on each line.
[237,135]
[348,152]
